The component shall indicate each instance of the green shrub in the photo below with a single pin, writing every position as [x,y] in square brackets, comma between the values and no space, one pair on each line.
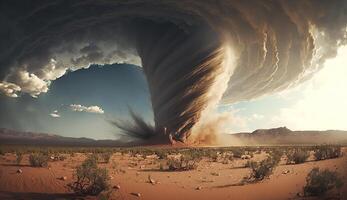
[91,180]
[19,157]
[297,156]
[319,182]
[38,160]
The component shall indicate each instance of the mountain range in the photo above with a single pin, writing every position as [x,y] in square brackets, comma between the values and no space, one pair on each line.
[274,136]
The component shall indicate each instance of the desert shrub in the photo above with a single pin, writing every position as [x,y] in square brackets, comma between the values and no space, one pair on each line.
[262,169]
[106,156]
[58,157]
[38,160]
[194,154]
[161,154]
[237,153]
[276,155]
[319,182]
[297,156]
[183,163]
[19,157]
[327,152]
[91,180]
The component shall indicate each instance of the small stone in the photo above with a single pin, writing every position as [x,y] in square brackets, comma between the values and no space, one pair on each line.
[198,188]
[150,180]
[285,172]
[215,174]
[136,194]
[19,171]
[117,187]
[63,178]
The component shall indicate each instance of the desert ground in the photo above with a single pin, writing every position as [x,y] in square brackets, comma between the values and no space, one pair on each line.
[138,175]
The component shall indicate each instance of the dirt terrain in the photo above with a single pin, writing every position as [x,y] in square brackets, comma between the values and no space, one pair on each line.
[211,180]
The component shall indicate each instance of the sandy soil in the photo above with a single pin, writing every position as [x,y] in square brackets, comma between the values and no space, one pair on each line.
[131,174]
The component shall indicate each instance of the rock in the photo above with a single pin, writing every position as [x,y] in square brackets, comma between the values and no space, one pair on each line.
[63,178]
[286,172]
[136,194]
[142,166]
[150,180]
[117,187]
[215,174]
[198,188]
[19,171]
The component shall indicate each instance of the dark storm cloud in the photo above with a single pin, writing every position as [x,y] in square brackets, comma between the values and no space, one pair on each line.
[182,46]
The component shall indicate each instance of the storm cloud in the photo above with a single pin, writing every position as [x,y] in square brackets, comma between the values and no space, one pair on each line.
[194,53]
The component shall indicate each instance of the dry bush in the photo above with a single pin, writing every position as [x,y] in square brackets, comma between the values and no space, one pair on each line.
[327,152]
[19,157]
[183,163]
[38,160]
[262,169]
[91,180]
[297,156]
[58,157]
[319,182]
[161,154]
[106,156]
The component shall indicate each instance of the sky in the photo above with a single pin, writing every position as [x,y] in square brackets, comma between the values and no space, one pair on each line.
[317,104]
[81,103]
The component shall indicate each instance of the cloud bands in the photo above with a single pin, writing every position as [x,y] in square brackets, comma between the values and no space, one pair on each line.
[181,46]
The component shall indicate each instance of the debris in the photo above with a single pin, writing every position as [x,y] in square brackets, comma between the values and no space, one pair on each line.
[285,171]
[150,180]
[136,194]
[19,171]
[198,188]
[117,187]
[245,157]
[63,178]
[215,174]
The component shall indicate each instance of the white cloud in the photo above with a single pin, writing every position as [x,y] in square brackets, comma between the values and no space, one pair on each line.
[9,89]
[34,77]
[55,114]
[90,109]
[31,84]
[323,104]
[256,116]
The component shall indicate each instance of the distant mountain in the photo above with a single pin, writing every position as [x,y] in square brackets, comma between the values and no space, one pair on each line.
[8,136]
[274,136]
[285,136]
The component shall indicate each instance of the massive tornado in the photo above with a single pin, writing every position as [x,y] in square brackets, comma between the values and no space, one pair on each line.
[194,54]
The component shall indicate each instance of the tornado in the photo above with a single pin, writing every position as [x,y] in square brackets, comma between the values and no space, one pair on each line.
[194,54]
